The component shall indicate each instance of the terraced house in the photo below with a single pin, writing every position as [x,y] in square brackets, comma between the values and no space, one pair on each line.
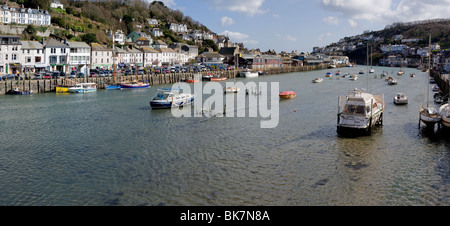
[10,15]
[10,47]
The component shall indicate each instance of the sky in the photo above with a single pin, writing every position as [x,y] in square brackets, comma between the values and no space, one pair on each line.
[300,25]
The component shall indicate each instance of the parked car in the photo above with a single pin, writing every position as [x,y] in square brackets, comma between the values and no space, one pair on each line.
[48,75]
[38,76]
[81,75]
[101,74]
[9,77]
[62,74]
[73,74]
[140,72]
[55,74]
[127,72]
[93,74]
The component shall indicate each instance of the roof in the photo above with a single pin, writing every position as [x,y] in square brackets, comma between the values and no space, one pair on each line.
[227,50]
[166,50]
[55,44]
[149,50]
[78,45]
[99,47]
[31,45]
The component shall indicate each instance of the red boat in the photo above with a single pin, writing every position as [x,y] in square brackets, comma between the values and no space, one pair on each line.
[191,80]
[288,95]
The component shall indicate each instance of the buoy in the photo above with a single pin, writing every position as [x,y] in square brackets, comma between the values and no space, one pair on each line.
[295,110]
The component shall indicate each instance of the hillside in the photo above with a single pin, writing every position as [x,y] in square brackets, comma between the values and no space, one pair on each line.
[397,34]
[88,21]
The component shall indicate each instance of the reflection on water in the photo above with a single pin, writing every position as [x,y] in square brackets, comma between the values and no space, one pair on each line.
[111,148]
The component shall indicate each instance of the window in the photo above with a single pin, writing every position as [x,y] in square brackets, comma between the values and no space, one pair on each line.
[37,59]
[52,50]
[53,59]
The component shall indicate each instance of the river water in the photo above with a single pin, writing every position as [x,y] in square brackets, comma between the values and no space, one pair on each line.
[111,148]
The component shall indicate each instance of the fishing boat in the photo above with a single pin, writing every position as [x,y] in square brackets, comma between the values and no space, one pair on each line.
[428,115]
[83,88]
[317,80]
[400,99]
[117,86]
[444,111]
[134,85]
[288,95]
[392,81]
[360,111]
[193,79]
[169,98]
[17,91]
[353,77]
[207,77]
[247,73]
[62,88]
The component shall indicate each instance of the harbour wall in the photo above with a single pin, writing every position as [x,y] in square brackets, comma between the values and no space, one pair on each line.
[442,80]
[49,85]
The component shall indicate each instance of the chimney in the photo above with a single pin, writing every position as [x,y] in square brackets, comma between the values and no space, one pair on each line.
[43,41]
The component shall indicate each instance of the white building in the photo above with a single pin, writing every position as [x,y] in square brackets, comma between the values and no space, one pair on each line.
[152,57]
[102,56]
[30,16]
[5,14]
[118,37]
[157,32]
[32,57]
[178,27]
[57,55]
[79,57]
[153,22]
[10,47]
[169,56]
[56,4]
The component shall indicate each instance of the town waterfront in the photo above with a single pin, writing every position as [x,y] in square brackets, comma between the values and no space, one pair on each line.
[111,148]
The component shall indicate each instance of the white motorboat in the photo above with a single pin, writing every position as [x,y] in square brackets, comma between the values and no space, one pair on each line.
[401,72]
[371,70]
[435,88]
[392,81]
[249,74]
[83,88]
[317,80]
[360,111]
[353,77]
[444,111]
[168,98]
[400,99]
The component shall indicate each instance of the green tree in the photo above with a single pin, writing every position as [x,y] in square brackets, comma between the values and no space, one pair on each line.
[89,38]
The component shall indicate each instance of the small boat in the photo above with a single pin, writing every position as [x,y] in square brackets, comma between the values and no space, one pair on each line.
[16,91]
[435,88]
[231,90]
[353,77]
[332,66]
[444,111]
[134,85]
[83,88]
[360,111]
[217,78]
[371,70]
[207,77]
[195,78]
[388,78]
[317,80]
[432,81]
[392,81]
[361,72]
[384,74]
[63,88]
[169,98]
[401,72]
[247,73]
[328,75]
[117,86]
[430,116]
[400,99]
[262,73]
[288,95]
[413,75]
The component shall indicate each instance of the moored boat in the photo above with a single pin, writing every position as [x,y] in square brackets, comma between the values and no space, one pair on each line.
[360,111]
[401,72]
[17,91]
[444,111]
[83,88]
[317,80]
[353,77]
[134,85]
[168,98]
[392,81]
[217,78]
[400,99]
[328,75]
[247,73]
[63,88]
[288,95]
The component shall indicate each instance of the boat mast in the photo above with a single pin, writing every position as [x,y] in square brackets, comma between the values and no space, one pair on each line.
[429,70]
[367,63]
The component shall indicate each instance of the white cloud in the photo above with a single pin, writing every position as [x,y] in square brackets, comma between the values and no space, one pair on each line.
[248,7]
[239,37]
[323,36]
[286,38]
[168,3]
[389,11]
[352,23]
[226,21]
[331,20]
